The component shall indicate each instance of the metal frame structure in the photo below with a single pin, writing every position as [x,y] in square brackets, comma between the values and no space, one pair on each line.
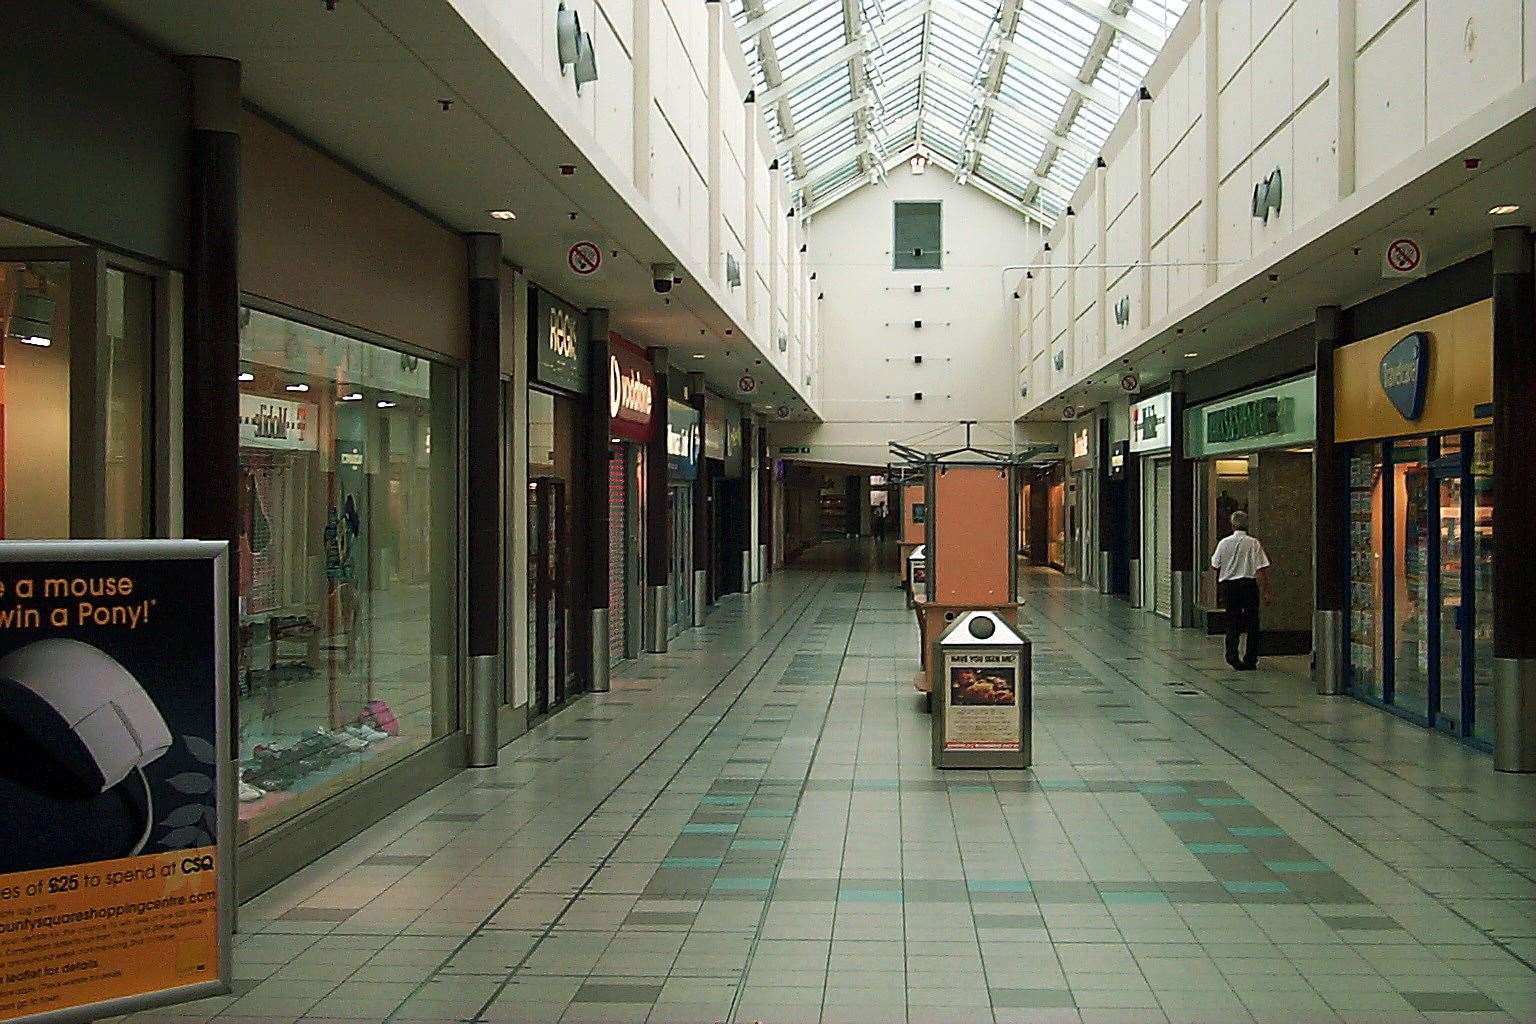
[1016,97]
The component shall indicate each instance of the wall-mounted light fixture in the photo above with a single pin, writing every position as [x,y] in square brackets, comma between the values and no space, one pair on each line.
[1269,195]
[586,61]
[567,36]
[1123,311]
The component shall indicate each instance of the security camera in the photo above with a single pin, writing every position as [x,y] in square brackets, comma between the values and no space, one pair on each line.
[663,275]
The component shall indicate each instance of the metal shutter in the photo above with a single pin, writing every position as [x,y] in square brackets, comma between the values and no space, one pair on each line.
[618,553]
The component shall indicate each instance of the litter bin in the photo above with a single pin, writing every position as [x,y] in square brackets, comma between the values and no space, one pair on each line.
[981,695]
[917,575]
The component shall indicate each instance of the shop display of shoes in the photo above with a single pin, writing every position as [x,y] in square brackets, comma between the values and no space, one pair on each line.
[276,767]
[249,793]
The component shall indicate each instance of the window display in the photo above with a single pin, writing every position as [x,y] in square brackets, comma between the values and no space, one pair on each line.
[347,562]
[1365,571]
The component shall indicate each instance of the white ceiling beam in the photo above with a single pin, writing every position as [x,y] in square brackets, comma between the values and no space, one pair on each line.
[871,146]
[1040,126]
[1108,100]
[1055,188]
[1119,23]
[770,17]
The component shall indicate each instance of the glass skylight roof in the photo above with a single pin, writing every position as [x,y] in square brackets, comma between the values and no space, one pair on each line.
[1016,96]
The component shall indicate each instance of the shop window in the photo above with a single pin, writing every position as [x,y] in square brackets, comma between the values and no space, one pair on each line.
[347,562]
[918,236]
[59,477]
[1366,671]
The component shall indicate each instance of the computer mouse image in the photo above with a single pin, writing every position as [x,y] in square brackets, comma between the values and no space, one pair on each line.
[80,708]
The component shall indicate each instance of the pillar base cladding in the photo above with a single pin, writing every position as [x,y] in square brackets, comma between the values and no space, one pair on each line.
[1182,614]
[1134,597]
[700,596]
[1514,709]
[746,572]
[1328,652]
[484,700]
[656,601]
[1106,576]
[599,676]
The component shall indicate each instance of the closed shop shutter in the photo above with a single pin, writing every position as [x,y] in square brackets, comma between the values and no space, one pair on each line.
[1163,553]
[618,552]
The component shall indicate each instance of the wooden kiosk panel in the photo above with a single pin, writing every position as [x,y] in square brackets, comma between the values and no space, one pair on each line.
[970,553]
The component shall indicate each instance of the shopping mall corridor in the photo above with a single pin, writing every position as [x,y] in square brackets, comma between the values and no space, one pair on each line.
[748,829]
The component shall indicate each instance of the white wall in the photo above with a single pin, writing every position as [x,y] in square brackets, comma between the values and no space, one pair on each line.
[1245,87]
[864,341]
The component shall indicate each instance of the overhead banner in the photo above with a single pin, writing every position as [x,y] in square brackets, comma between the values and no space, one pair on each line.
[116,871]
[559,346]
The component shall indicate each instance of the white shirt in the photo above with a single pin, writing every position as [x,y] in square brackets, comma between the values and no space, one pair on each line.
[1238,557]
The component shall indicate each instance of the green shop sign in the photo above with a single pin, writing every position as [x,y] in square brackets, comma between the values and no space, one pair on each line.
[1273,417]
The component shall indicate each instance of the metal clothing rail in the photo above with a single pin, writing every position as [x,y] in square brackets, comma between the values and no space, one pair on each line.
[916,457]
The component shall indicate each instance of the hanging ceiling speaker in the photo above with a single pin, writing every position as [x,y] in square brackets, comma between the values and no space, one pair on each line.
[586,61]
[567,35]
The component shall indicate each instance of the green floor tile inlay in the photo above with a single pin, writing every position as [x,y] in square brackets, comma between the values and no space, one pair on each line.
[998,885]
[1187,815]
[758,844]
[1217,848]
[1257,831]
[1296,867]
[1223,801]
[1162,789]
[870,895]
[709,828]
[1252,888]
[691,862]
[1134,896]
[725,801]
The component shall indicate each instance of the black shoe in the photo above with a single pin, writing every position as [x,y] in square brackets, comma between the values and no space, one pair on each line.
[1236,666]
[1245,667]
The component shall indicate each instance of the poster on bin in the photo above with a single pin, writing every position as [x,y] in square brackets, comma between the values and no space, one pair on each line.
[981,701]
[116,823]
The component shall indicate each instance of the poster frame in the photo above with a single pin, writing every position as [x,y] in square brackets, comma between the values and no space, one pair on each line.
[216,555]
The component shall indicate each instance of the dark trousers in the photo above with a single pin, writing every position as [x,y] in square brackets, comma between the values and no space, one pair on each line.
[1240,598]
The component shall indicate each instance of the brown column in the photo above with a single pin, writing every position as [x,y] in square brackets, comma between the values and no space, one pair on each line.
[658,533]
[211,352]
[1330,517]
[1514,478]
[482,458]
[702,487]
[1181,514]
[598,387]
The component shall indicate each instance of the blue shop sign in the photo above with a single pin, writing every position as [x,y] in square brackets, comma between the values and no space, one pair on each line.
[682,440]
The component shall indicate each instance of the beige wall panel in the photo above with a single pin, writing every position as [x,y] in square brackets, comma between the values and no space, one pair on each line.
[1234,204]
[1311,188]
[1389,97]
[315,236]
[1234,26]
[1315,28]
[1235,130]
[1272,92]
[1371,16]
[1473,58]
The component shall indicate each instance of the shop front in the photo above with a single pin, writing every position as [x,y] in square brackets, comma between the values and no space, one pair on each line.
[1252,453]
[1082,517]
[632,414]
[1413,411]
[1151,441]
[730,508]
[683,458]
[558,350]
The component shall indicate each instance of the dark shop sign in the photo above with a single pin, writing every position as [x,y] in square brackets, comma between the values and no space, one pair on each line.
[1258,418]
[560,344]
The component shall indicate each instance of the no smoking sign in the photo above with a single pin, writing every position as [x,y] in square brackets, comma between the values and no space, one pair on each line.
[584,258]
[1403,257]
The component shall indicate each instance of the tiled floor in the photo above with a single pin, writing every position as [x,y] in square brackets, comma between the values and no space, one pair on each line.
[748,829]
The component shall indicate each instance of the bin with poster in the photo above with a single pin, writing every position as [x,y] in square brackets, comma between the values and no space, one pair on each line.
[982,706]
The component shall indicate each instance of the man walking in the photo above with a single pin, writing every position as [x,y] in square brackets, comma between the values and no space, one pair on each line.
[1242,578]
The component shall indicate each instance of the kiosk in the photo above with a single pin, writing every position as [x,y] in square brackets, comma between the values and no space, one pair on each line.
[913,509]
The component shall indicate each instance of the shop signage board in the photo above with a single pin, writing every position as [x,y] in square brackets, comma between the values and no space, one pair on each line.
[733,448]
[982,695]
[1152,424]
[1082,448]
[682,440]
[1275,417]
[278,424]
[631,392]
[714,426]
[560,344]
[1405,375]
[116,859]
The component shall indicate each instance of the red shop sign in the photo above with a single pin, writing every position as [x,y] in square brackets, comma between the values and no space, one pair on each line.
[631,392]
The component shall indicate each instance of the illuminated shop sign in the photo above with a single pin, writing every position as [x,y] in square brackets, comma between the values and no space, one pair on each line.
[631,392]
[1152,424]
[275,423]
[682,441]
[1258,418]
[1281,416]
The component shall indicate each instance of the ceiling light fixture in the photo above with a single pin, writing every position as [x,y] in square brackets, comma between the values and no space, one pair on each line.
[301,388]
[382,404]
[502,215]
[1500,211]
[698,355]
[1190,355]
[246,377]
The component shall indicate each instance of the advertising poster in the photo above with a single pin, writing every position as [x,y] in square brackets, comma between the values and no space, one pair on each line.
[981,701]
[115,880]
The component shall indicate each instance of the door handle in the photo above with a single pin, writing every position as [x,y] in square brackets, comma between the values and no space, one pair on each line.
[1461,617]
